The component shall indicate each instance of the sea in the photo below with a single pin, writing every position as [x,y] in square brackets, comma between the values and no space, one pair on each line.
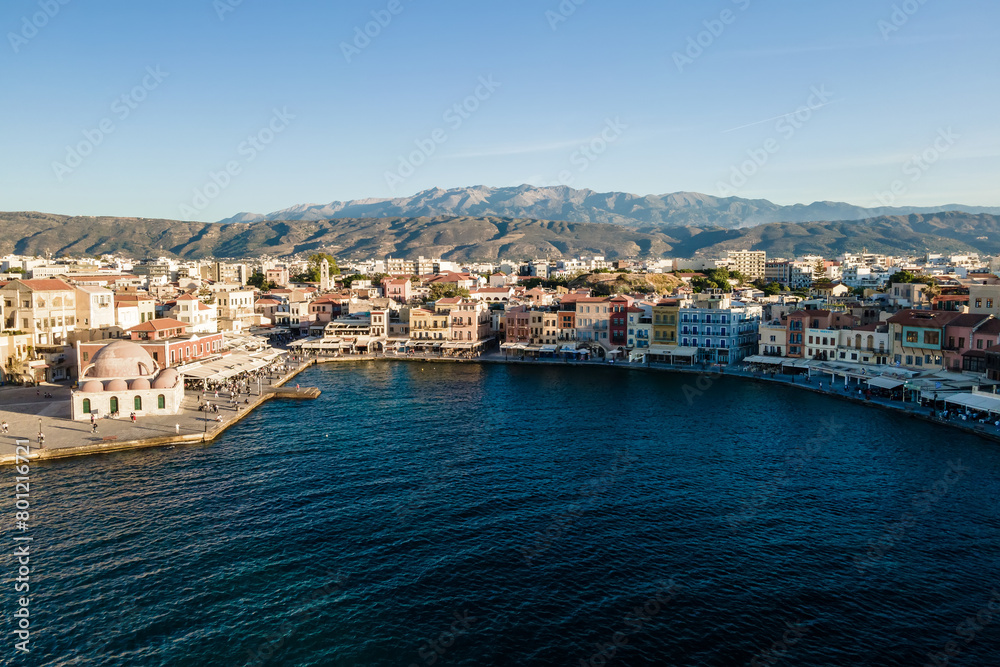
[460,514]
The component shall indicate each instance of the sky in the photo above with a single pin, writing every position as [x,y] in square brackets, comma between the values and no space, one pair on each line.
[199,109]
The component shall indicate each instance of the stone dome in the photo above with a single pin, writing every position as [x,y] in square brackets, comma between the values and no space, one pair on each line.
[92,387]
[121,359]
[140,383]
[116,385]
[166,379]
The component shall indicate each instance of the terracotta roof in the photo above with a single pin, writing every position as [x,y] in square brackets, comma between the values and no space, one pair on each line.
[968,320]
[44,284]
[161,324]
[991,327]
[924,318]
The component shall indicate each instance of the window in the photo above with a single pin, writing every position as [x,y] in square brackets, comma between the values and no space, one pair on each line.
[932,337]
[961,343]
[911,337]
[114,404]
[979,303]
[86,406]
[138,402]
[989,303]
[979,343]
[161,402]
[909,360]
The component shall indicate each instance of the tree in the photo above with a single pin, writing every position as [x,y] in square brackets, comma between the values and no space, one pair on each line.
[260,282]
[311,274]
[772,289]
[445,291]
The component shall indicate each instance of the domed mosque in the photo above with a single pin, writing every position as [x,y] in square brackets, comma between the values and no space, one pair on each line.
[122,378]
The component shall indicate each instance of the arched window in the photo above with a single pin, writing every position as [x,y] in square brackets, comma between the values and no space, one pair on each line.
[86,406]
[161,402]
[114,404]
[138,402]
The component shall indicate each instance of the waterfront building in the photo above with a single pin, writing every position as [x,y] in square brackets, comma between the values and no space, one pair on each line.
[121,377]
[665,317]
[95,307]
[864,344]
[773,339]
[469,323]
[543,327]
[429,325]
[640,327]
[168,342]
[918,337]
[722,330]
[45,309]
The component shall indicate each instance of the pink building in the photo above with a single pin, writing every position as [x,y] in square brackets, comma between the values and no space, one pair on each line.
[397,289]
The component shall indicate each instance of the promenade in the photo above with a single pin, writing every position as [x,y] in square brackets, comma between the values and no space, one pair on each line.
[26,410]
[27,413]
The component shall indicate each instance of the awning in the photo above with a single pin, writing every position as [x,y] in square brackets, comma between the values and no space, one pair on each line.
[547,348]
[450,346]
[976,402]
[761,359]
[684,352]
[885,383]
[363,341]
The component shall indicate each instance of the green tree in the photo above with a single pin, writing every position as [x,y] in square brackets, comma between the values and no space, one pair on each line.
[311,274]
[442,291]
[772,289]
[260,282]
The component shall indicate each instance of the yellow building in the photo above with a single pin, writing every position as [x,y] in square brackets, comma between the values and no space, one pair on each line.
[665,315]
[427,325]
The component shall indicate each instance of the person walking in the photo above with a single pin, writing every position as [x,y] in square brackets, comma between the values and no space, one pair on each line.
[93,427]
[132,417]
[3,426]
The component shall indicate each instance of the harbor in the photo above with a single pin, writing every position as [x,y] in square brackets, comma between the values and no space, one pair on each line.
[29,413]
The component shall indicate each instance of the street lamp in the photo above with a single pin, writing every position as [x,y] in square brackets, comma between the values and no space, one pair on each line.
[40,436]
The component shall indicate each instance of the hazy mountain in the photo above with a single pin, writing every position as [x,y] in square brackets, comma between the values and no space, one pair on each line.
[681,209]
[469,238]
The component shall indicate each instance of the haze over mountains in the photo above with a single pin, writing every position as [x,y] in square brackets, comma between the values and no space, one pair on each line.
[681,209]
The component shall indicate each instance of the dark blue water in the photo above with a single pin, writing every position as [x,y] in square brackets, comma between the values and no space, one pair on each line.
[465,515]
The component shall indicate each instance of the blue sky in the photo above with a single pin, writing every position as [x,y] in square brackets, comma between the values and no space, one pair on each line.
[198,109]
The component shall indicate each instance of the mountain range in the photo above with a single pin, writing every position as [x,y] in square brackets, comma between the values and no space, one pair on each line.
[681,209]
[462,238]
